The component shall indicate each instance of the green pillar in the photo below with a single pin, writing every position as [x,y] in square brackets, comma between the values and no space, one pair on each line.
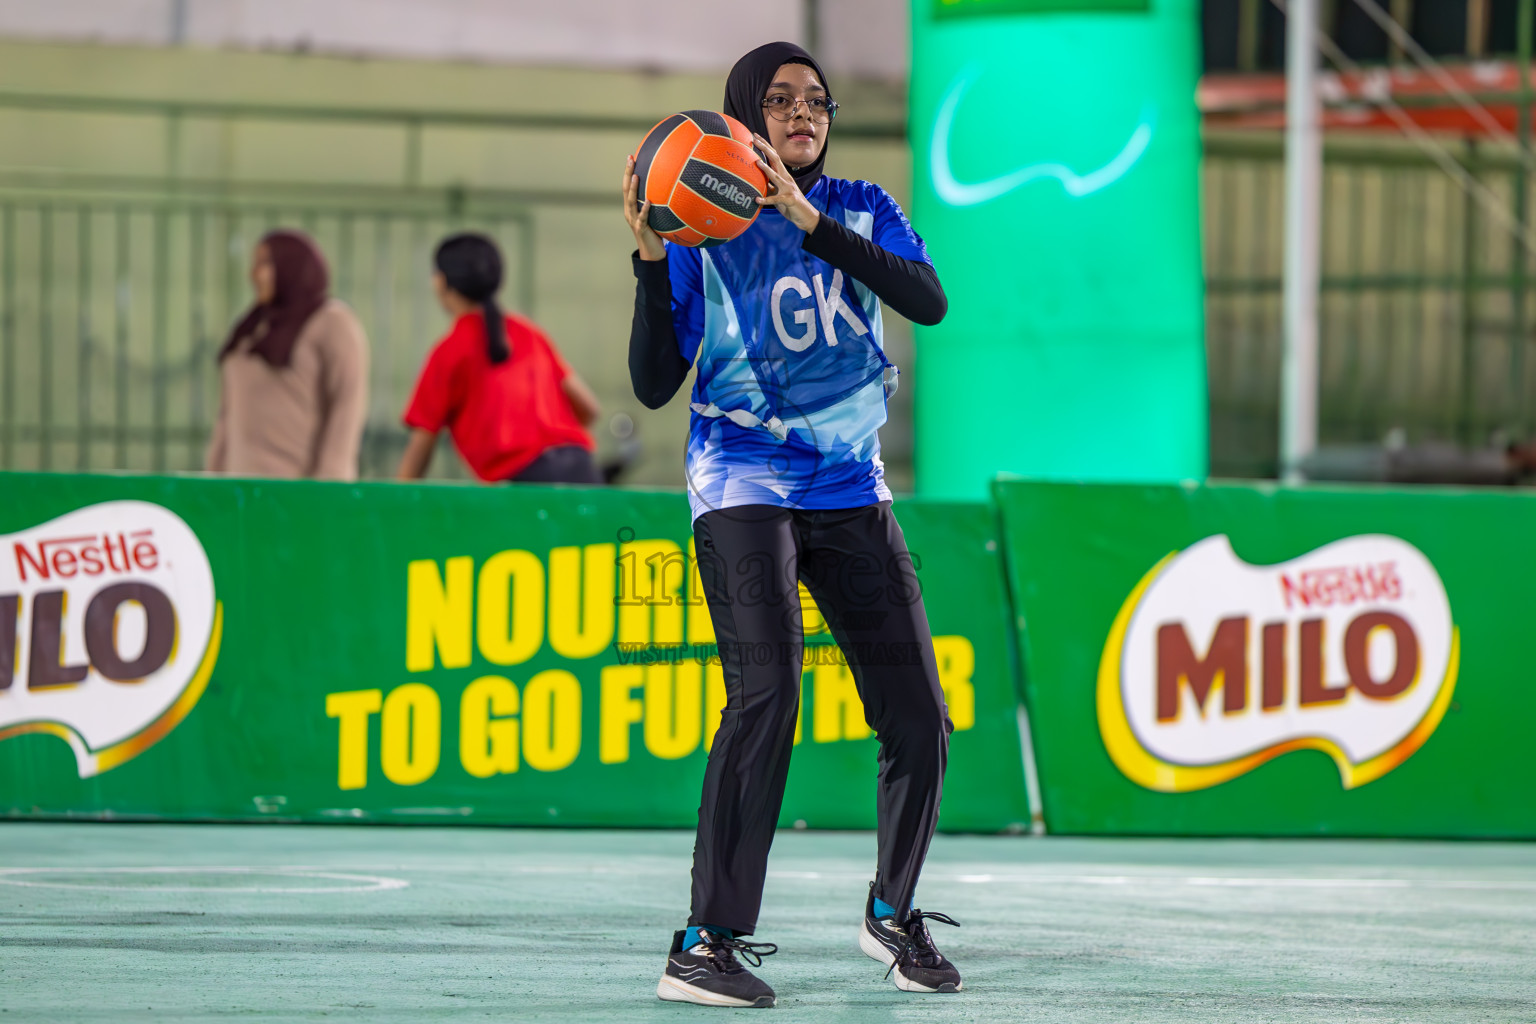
[1057,152]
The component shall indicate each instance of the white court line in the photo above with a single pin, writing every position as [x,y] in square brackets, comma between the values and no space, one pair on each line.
[991,878]
[370,883]
[1241,881]
[1225,881]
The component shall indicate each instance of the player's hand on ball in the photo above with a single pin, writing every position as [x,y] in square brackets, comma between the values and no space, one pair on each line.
[783,192]
[637,215]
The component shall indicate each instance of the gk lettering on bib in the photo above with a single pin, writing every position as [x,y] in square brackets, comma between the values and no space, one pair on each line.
[829,306]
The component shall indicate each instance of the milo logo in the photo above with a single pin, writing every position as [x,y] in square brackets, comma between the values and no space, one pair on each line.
[1214,666]
[109,629]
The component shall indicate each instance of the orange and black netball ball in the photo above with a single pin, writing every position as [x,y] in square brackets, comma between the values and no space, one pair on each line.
[700,173]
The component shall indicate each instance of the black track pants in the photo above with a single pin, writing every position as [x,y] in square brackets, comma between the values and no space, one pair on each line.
[856,566]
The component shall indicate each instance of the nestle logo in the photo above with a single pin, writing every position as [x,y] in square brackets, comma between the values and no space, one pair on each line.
[1342,585]
[90,555]
[726,190]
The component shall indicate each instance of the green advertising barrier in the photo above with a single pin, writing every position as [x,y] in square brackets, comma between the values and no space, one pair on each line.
[188,648]
[1056,177]
[1262,660]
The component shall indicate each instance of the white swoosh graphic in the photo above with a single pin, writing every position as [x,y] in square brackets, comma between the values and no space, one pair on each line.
[961,193]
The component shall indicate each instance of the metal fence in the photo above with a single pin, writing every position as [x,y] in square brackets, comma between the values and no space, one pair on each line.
[115,296]
[119,278]
[1425,300]
[112,312]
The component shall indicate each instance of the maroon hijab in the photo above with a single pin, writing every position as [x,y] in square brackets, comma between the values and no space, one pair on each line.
[302,284]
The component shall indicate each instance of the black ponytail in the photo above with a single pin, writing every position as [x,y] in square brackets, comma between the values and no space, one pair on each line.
[471,266]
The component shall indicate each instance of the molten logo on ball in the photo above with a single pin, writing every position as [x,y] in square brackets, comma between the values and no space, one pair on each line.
[109,630]
[727,191]
[1214,666]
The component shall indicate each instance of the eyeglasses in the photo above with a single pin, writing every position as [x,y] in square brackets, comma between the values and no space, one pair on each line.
[820,109]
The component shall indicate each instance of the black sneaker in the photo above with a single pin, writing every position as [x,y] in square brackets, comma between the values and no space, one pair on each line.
[709,973]
[908,949]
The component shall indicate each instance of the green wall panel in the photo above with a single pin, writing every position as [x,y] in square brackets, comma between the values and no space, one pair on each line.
[1130,596]
[1056,182]
[356,617]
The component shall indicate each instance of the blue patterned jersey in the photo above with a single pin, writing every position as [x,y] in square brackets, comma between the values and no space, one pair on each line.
[792,377]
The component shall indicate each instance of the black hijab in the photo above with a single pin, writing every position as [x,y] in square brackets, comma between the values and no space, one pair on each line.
[301,284]
[748,83]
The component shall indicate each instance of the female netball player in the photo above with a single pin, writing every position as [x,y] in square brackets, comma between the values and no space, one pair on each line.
[786,484]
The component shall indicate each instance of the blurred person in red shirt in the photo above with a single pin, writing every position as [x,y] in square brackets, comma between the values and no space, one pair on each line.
[516,411]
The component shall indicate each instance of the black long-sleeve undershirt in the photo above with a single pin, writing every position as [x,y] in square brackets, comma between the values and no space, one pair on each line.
[656,366]
[909,287]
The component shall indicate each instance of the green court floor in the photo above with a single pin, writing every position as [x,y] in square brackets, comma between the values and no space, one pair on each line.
[175,923]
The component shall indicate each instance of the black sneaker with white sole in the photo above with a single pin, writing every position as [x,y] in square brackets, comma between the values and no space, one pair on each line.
[709,974]
[908,950]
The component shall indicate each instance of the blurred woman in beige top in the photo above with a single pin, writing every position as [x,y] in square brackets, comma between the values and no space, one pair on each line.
[294,373]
